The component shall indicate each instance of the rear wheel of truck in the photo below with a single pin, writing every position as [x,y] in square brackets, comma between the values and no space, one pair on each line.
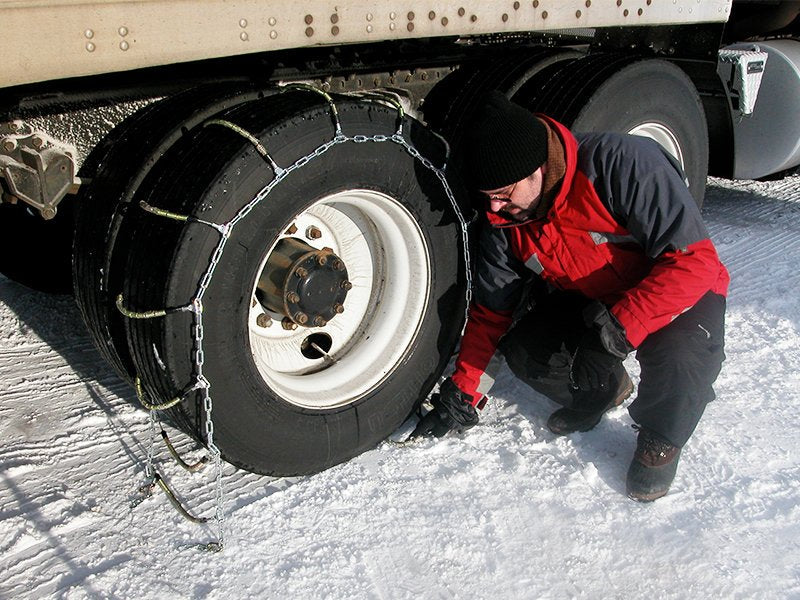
[647,97]
[658,101]
[336,301]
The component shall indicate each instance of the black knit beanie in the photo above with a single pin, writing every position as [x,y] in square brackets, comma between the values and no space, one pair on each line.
[505,144]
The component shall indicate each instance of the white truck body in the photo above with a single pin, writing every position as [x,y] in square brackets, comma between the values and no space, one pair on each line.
[45,40]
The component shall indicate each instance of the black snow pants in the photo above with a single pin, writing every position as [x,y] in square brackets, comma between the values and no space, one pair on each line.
[679,363]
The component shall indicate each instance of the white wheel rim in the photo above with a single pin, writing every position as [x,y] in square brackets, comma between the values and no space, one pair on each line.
[663,136]
[388,264]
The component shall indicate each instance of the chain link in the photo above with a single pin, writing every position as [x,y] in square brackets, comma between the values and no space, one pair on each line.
[208,405]
[225,230]
[440,173]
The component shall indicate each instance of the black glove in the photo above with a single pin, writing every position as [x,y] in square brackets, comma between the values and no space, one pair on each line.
[592,364]
[451,412]
[602,346]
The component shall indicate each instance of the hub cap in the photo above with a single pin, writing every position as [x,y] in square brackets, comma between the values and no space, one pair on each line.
[356,265]
[305,285]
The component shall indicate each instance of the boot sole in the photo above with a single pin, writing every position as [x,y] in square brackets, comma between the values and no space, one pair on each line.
[644,498]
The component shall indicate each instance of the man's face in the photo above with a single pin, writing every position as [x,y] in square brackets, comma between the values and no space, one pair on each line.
[519,200]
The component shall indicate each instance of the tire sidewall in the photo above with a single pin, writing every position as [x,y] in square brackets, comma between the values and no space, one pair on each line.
[659,92]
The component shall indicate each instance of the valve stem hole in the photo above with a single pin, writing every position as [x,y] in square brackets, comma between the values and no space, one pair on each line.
[316,346]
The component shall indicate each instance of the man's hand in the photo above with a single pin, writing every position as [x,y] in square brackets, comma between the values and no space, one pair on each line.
[592,364]
[451,412]
[602,346]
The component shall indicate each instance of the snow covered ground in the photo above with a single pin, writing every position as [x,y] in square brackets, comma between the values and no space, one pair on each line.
[506,511]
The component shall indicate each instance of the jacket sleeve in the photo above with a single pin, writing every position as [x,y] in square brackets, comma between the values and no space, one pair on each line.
[676,282]
[499,284]
[646,193]
[473,374]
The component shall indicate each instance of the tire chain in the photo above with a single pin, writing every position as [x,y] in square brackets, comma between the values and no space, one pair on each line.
[196,305]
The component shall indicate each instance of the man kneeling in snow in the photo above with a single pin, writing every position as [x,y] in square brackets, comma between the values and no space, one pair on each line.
[592,247]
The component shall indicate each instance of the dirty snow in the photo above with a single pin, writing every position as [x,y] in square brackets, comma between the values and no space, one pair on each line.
[506,511]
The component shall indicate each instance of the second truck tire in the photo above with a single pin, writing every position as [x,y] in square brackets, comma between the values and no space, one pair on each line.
[641,96]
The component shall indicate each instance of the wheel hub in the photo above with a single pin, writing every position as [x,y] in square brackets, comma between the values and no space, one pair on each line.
[386,258]
[662,135]
[306,285]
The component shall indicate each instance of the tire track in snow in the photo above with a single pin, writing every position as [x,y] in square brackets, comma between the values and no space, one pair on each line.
[758,238]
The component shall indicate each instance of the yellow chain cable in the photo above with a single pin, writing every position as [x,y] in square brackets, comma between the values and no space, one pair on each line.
[161,212]
[147,405]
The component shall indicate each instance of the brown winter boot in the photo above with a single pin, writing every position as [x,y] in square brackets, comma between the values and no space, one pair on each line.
[569,420]
[653,467]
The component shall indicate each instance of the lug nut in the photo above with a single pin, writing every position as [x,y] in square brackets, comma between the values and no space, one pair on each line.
[313,233]
[264,320]
[9,145]
[292,229]
[319,321]
[338,265]
[292,297]
[322,260]
[338,308]
[347,286]
[301,272]
[288,324]
[37,141]
[301,318]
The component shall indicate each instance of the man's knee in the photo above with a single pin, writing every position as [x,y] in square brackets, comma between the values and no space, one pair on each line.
[681,362]
[693,343]
[679,365]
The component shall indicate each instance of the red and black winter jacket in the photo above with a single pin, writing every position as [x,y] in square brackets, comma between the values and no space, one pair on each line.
[623,229]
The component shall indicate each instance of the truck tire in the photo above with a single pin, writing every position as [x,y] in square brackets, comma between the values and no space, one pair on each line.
[448,108]
[296,401]
[116,168]
[647,97]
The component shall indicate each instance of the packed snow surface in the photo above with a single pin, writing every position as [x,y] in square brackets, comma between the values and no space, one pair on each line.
[506,511]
